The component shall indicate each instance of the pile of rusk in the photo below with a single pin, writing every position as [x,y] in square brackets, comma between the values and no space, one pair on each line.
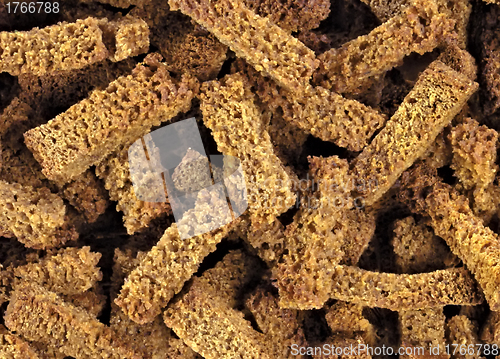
[389,105]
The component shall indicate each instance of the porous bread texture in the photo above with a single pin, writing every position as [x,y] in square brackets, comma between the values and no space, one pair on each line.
[474,149]
[490,60]
[229,110]
[13,347]
[64,46]
[318,111]
[127,37]
[204,317]
[347,319]
[331,117]
[153,339]
[405,291]
[71,271]
[386,9]
[192,173]
[92,129]
[461,330]
[423,328]
[393,291]
[436,98]
[36,217]
[264,45]
[459,60]
[115,172]
[87,195]
[490,332]
[186,46]
[40,315]
[418,250]
[358,229]
[292,15]
[420,28]
[313,244]
[172,261]
[453,220]
[282,327]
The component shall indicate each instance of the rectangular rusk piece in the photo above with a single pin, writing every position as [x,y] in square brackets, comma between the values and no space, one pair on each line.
[64,46]
[71,271]
[420,28]
[436,98]
[210,326]
[453,220]
[90,130]
[167,266]
[36,217]
[40,315]
[400,291]
[237,125]
[263,44]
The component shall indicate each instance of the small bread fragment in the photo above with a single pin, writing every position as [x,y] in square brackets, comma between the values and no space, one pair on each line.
[263,44]
[116,174]
[282,327]
[13,347]
[230,101]
[164,270]
[418,250]
[490,332]
[347,319]
[40,315]
[205,319]
[461,331]
[474,155]
[129,36]
[420,28]
[36,217]
[127,109]
[70,271]
[436,98]
[423,328]
[453,220]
